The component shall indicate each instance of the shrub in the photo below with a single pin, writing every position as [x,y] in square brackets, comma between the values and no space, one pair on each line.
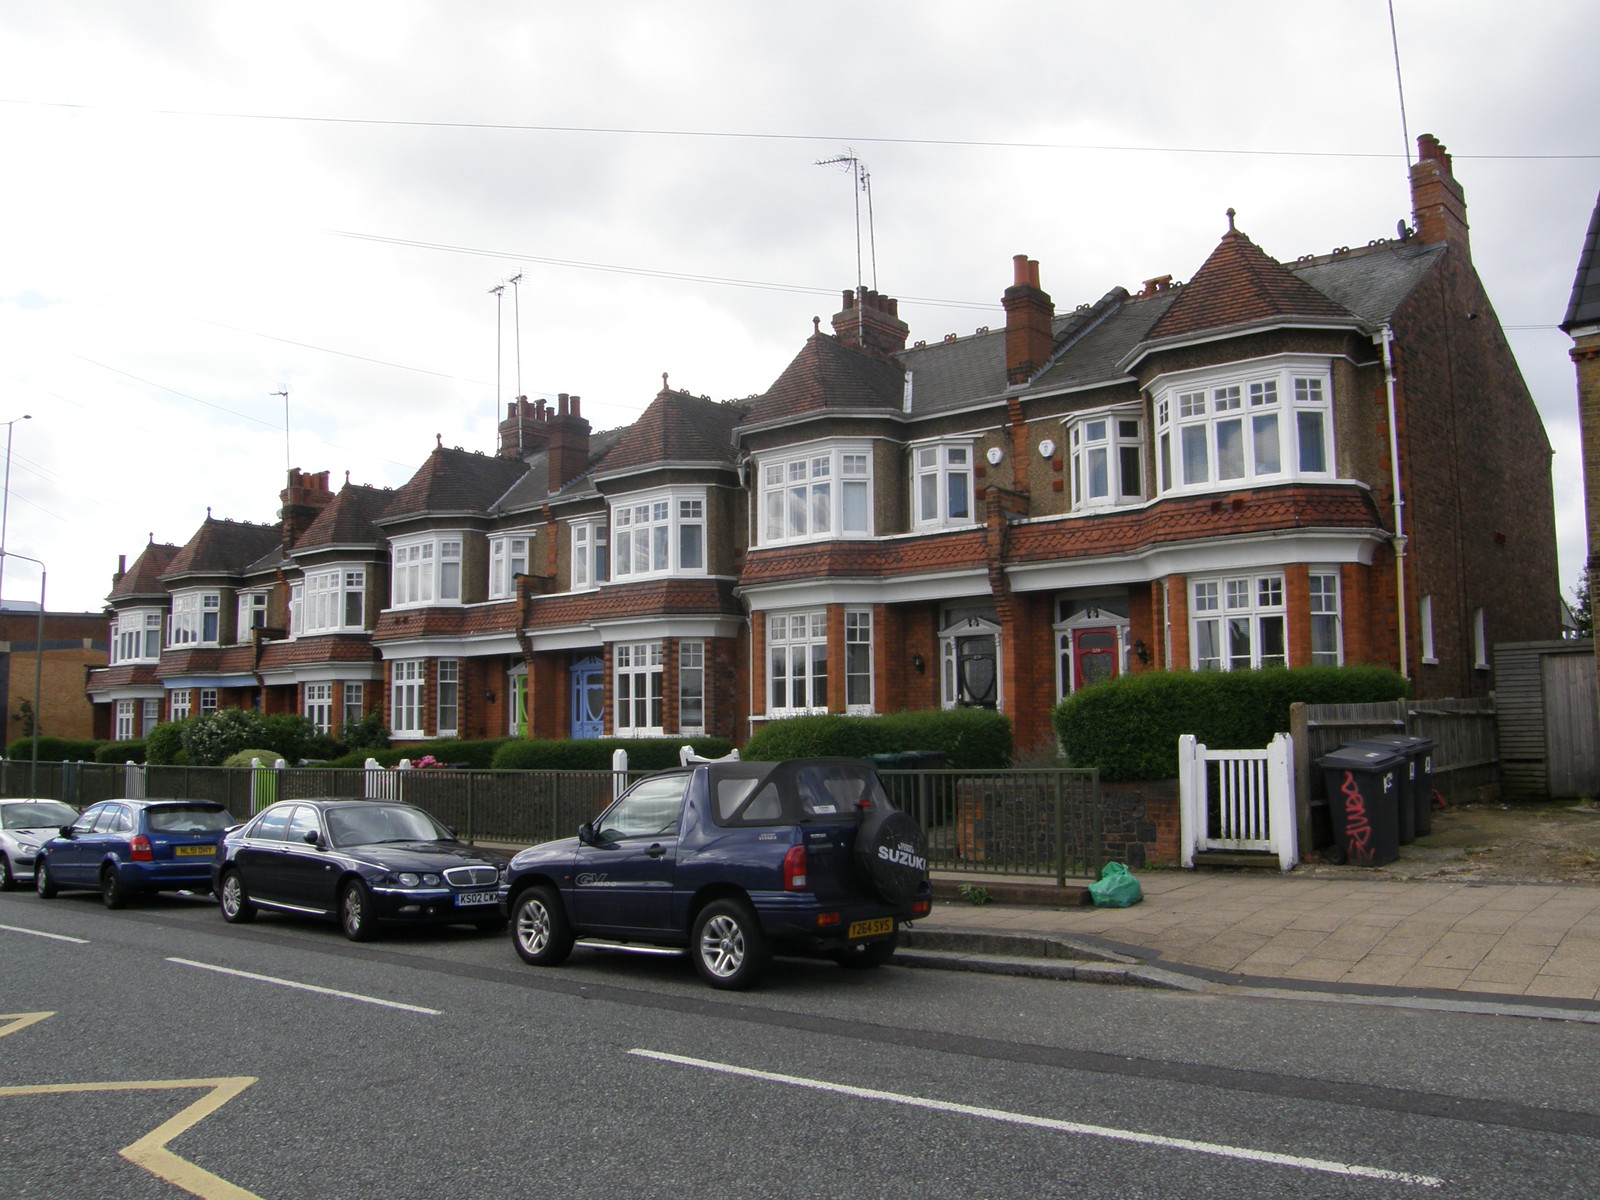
[241,758]
[289,735]
[969,738]
[1129,727]
[209,739]
[163,745]
[54,749]
[132,750]
[369,733]
[594,754]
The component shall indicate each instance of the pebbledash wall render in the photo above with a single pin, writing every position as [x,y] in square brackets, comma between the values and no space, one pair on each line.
[1332,459]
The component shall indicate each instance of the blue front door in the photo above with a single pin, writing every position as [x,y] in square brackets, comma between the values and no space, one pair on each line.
[589,697]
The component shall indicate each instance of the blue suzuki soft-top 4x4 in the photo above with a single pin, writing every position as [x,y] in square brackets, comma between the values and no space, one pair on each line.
[731,860]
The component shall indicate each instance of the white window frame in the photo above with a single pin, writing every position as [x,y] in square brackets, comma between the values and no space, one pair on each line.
[1327,618]
[317,706]
[813,493]
[252,614]
[407,680]
[1480,639]
[447,697]
[691,686]
[178,704]
[1234,620]
[1425,630]
[355,695]
[508,558]
[151,717]
[658,534]
[136,636]
[797,662]
[333,600]
[941,475]
[1266,422]
[122,729]
[638,672]
[208,701]
[196,619]
[1106,453]
[858,661]
[425,571]
[591,554]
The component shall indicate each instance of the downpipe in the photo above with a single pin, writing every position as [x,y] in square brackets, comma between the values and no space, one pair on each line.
[1386,338]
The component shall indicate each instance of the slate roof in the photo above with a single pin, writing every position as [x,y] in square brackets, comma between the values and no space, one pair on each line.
[677,428]
[533,489]
[1240,284]
[223,548]
[348,520]
[1584,306]
[143,579]
[453,481]
[1371,281]
[827,375]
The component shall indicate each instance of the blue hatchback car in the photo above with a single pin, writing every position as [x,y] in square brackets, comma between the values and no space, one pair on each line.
[122,848]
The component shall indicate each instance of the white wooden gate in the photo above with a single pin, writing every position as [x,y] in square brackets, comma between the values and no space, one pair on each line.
[1237,800]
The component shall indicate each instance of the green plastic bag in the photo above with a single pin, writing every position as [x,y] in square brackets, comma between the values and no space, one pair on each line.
[1116,888]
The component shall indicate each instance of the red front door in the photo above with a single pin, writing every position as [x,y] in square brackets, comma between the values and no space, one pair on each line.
[1094,656]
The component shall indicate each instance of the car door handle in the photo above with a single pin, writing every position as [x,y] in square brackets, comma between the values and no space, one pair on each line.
[655,851]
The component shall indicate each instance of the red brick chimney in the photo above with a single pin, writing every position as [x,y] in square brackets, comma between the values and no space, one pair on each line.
[1029,316]
[568,435]
[871,323]
[305,497]
[524,432]
[1437,201]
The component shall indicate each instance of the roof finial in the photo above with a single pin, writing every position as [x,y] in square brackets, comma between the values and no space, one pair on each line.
[438,441]
[816,326]
[664,386]
[208,512]
[1231,215]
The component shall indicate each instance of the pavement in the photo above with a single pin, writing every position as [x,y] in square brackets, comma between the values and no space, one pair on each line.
[1528,948]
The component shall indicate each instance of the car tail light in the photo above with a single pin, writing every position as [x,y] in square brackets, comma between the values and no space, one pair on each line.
[794,869]
[826,919]
[921,908]
[139,849]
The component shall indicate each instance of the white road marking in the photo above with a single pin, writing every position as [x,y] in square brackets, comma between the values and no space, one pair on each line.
[997,1114]
[57,937]
[306,987]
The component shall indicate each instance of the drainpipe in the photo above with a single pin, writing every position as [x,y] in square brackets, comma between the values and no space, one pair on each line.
[1387,339]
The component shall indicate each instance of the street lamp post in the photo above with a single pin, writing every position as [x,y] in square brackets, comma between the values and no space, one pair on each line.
[38,671]
[5,502]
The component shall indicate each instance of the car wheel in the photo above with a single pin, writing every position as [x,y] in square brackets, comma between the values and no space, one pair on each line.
[355,912]
[43,884]
[8,881]
[539,928]
[112,890]
[729,948]
[235,901]
[867,955]
[892,855]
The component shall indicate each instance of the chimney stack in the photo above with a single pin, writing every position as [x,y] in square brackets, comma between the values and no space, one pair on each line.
[524,432]
[305,497]
[1438,204]
[568,435]
[1030,317]
[871,323]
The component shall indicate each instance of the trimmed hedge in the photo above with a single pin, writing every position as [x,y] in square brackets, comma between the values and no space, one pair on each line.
[54,749]
[972,739]
[1129,726]
[163,745]
[241,758]
[132,750]
[594,754]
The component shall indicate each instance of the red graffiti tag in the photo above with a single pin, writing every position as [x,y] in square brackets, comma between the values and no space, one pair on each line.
[1358,830]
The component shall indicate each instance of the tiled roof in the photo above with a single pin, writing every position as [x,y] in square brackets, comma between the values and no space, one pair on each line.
[866,560]
[143,579]
[453,481]
[1090,352]
[207,660]
[1584,306]
[677,428]
[1371,281]
[533,489]
[662,597]
[223,548]
[348,519]
[476,620]
[828,374]
[126,675]
[1241,284]
[335,648]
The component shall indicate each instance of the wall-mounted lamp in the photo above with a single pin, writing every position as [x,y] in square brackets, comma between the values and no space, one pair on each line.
[917,664]
[489,695]
[1141,652]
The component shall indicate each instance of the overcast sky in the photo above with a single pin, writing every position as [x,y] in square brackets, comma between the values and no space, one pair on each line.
[206,203]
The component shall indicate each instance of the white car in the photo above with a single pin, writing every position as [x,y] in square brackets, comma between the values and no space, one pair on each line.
[24,826]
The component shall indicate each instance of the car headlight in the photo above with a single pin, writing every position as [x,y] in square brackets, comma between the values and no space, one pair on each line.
[407,879]
[430,880]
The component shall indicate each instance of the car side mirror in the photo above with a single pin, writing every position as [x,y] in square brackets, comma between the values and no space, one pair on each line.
[313,838]
[67,832]
[586,834]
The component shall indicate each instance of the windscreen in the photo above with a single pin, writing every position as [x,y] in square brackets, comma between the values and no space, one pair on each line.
[41,814]
[368,824]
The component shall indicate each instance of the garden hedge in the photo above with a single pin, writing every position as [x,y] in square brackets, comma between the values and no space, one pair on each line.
[973,739]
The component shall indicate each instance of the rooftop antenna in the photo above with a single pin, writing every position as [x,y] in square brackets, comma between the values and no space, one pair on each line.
[1405,131]
[498,292]
[516,317]
[851,162]
[288,462]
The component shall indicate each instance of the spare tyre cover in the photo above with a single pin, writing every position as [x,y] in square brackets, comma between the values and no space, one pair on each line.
[891,855]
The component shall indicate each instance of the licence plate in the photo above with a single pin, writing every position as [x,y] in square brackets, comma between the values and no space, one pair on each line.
[467,899]
[194,851]
[861,929]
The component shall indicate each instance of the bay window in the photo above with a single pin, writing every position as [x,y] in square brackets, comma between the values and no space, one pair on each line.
[318,706]
[1237,623]
[824,492]
[196,618]
[797,662]
[136,637]
[405,709]
[178,704]
[122,731]
[1107,452]
[333,600]
[591,560]
[252,614]
[426,569]
[639,691]
[858,661]
[691,686]
[355,695]
[1327,648]
[448,696]
[660,535]
[508,558]
[942,484]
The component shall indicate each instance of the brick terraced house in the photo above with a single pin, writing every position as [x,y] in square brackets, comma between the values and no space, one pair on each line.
[1330,460]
